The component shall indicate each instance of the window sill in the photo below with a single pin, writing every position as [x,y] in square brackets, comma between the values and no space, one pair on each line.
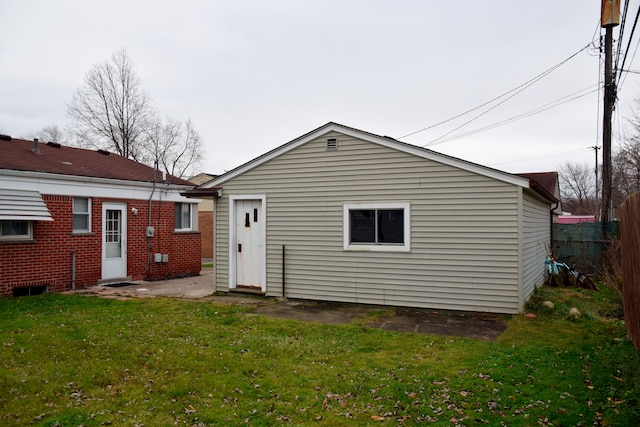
[82,233]
[377,248]
[17,241]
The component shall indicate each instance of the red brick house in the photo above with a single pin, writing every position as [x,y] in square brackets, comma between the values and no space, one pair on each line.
[75,218]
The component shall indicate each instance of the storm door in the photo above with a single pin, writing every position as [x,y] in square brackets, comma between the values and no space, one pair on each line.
[114,241]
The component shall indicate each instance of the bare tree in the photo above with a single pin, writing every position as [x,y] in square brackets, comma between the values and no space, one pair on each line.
[52,133]
[626,170]
[177,146]
[577,188]
[111,111]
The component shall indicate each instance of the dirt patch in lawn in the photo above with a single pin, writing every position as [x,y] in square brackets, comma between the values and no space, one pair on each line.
[481,326]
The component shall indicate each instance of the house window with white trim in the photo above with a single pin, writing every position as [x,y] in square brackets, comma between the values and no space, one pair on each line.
[13,230]
[382,227]
[183,216]
[81,214]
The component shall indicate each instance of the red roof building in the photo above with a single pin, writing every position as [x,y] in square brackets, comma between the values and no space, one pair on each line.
[75,218]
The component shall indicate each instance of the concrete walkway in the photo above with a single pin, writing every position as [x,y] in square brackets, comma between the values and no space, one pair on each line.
[464,324]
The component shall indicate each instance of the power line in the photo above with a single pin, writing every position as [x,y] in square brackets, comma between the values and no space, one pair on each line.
[566,153]
[560,101]
[624,59]
[620,35]
[517,89]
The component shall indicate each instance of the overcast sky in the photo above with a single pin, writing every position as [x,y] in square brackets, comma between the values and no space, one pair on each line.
[253,75]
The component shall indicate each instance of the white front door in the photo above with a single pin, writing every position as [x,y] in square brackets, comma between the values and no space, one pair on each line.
[249,245]
[114,240]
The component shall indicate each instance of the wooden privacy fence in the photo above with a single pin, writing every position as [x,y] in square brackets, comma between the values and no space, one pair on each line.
[584,244]
[630,252]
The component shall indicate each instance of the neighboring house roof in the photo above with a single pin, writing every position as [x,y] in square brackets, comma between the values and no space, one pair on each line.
[202,178]
[382,140]
[575,219]
[545,182]
[21,155]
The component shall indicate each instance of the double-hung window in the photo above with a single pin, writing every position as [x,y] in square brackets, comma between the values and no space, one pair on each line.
[183,216]
[383,227]
[81,214]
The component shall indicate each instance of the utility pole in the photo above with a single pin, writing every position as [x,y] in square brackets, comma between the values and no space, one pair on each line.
[610,17]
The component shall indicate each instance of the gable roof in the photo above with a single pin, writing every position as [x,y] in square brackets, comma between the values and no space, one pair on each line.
[21,155]
[376,139]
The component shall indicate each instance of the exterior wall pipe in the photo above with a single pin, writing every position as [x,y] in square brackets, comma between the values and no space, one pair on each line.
[552,245]
[284,295]
[149,204]
[73,270]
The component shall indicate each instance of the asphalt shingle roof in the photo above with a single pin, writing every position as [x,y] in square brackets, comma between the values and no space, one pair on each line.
[19,155]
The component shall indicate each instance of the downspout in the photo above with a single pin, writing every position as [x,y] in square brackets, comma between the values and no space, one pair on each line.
[73,270]
[149,246]
[284,294]
[552,234]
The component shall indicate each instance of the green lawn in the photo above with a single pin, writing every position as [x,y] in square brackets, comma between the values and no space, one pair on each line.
[68,360]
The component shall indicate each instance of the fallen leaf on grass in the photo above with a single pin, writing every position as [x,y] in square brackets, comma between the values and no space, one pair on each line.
[530,315]
[377,418]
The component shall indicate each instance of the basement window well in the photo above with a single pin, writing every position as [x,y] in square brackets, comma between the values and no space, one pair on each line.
[26,291]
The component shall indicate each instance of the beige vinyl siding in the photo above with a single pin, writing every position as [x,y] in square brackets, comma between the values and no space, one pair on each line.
[464,229]
[221,244]
[536,238]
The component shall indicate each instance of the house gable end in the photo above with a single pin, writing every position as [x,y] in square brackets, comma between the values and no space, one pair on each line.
[331,127]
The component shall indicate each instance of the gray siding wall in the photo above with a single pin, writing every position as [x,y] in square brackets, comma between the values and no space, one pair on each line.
[536,239]
[464,229]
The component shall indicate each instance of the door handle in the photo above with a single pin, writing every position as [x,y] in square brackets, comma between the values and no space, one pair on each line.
[239,247]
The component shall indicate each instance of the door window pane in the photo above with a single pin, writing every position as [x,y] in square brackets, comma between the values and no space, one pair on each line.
[113,235]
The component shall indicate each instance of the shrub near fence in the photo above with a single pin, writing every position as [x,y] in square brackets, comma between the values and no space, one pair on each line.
[630,237]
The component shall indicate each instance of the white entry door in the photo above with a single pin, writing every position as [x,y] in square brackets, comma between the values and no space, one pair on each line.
[114,241]
[249,232]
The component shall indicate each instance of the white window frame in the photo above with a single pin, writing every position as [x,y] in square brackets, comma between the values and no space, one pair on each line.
[87,214]
[18,237]
[376,247]
[182,205]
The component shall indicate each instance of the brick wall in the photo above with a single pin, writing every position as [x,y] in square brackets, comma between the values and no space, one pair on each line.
[205,223]
[47,260]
